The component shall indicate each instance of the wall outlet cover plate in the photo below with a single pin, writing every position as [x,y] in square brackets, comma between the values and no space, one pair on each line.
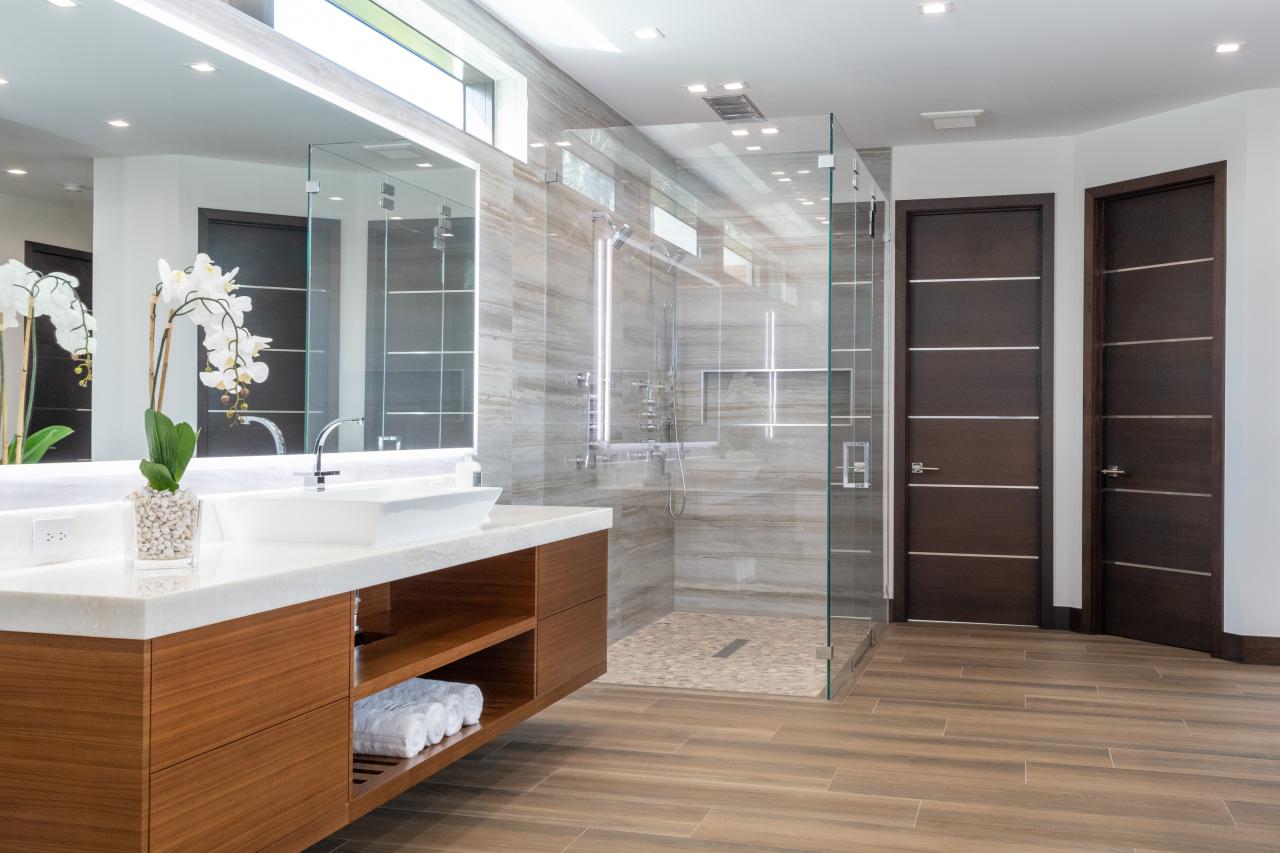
[53,537]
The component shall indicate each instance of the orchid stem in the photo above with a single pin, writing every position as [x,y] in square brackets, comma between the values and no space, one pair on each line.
[20,437]
[166,346]
[151,351]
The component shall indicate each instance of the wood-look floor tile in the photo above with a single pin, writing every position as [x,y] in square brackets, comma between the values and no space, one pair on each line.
[999,823]
[1161,705]
[1231,766]
[547,805]
[1085,673]
[743,763]
[455,832]
[727,793]
[811,834]
[606,841]
[1099,801]
[1124,782]
[1264,817]
[961,691]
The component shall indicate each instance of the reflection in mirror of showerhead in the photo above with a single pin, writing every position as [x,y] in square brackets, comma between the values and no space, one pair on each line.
[620,235]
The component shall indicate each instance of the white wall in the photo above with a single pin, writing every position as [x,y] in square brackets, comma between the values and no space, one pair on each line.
[1244,130]
[69,225]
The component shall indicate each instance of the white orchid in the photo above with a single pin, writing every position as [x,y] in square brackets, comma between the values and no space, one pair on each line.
[175,285]
[25,296]
[206,296]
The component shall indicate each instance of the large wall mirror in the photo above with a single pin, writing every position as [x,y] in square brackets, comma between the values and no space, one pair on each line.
[130,143]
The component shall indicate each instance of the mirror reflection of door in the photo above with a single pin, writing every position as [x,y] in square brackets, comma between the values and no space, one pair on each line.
[59,398]
[271,252]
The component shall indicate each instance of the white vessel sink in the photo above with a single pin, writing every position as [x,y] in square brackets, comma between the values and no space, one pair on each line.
[390,512]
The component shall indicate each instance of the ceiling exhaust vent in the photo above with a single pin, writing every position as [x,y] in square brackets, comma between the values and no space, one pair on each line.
[953,119]
[734,108]
[395,150]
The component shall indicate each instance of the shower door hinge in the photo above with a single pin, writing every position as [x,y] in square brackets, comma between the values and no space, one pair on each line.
[551,176]
[826,653]
[826,161]
[313,187]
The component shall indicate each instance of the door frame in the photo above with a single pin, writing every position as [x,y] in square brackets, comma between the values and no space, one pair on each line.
[903,210]
[1094,307]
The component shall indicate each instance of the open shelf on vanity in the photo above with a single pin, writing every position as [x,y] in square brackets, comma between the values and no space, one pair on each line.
[416,643]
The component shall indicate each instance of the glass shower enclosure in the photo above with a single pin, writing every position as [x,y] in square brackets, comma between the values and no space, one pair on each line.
[712,367]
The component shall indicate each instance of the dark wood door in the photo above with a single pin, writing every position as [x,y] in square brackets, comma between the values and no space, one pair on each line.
[60,399]
[1154,472]
[974,348]
[271,252]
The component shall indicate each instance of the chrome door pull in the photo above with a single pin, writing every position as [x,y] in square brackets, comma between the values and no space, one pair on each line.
[920,468]
[1113,471]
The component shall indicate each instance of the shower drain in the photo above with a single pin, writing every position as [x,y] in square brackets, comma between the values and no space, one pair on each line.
[730,648]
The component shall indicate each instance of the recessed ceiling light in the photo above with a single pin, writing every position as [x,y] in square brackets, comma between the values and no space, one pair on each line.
[16,171]
[117,122]
[203,67]
[537,145]
[564,144]
[397,218]
[825,221]
[335,198]
[775,174]
[648,33]
[740,132]
[1228,47]
[63,4]
[755,148]
[735,86]
[696,88]
[3,82]
[802,171]
[768,131]
[826,198]
[784,180]
[936,7]
[425,165]
[807,203]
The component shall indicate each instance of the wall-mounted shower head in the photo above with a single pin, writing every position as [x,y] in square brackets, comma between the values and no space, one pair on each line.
[620,232]
[674,259]
[620,235]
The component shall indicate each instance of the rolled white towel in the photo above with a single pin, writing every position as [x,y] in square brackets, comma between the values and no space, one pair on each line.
[400,734]
[408,696]
[418,689]
[472,698]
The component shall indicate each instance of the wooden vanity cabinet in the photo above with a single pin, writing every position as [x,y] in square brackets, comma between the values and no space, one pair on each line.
[237,736]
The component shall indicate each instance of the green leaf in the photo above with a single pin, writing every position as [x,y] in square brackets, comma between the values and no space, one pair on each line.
[39,442]
[184,447]
[160,437]
[158,476]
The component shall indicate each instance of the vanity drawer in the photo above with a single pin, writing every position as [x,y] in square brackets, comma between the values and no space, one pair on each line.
[251,793]
[572,643]
[211,686]
[571,572]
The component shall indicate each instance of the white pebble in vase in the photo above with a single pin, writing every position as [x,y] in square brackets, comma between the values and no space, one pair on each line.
[162,528]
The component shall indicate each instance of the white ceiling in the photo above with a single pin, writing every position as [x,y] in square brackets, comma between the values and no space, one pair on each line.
[70,70]
[1038,67]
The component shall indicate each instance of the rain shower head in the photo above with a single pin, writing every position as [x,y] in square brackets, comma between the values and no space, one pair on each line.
[620,235]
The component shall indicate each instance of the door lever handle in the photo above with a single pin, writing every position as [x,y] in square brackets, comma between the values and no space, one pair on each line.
[920,468]
[1113,471]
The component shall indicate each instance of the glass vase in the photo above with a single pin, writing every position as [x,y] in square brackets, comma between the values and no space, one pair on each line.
[162,529]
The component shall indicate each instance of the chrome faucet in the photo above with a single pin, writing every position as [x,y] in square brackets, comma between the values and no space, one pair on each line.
[270,426]
[316,478]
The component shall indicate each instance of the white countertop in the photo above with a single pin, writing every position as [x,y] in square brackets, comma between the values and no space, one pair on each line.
[107,598]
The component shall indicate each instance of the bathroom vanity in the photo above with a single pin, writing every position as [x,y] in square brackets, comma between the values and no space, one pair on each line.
[212,711]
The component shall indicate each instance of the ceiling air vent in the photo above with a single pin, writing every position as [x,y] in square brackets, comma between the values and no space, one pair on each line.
[734,108]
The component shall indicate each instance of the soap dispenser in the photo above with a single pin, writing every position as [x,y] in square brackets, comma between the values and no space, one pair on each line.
[466,474]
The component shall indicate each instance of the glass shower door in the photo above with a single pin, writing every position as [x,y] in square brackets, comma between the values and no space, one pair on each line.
[857,604]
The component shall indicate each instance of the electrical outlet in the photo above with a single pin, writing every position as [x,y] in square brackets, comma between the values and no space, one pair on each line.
[53,537]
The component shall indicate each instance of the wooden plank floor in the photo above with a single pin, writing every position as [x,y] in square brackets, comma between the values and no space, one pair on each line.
[952,738]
